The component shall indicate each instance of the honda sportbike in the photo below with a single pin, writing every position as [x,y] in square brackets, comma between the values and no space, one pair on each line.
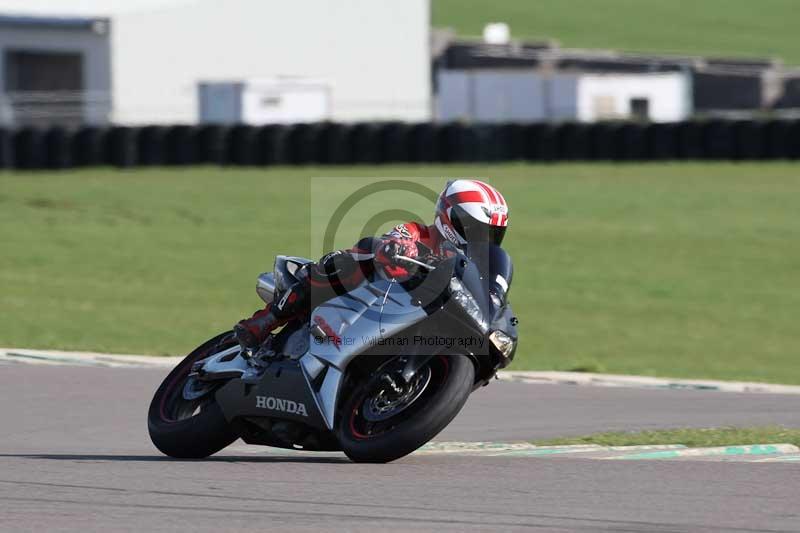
[375,372]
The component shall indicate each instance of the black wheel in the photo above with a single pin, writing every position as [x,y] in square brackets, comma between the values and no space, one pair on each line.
[184,419]
[386,418]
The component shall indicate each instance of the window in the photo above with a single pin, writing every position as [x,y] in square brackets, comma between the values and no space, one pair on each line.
[640,108]
[44,87]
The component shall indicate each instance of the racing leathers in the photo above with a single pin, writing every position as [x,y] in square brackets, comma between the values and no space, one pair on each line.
[336,273]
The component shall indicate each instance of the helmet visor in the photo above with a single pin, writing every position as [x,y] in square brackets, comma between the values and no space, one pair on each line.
[475,231]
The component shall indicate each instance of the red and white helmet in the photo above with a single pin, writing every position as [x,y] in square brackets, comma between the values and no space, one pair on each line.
[470,211]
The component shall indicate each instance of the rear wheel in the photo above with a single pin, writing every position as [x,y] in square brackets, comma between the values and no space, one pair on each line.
[386,418]
[184,419]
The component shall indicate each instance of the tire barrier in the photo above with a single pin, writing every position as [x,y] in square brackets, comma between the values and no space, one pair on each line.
[690,140]
[365,145]
[211,145]
[541,142]
[6,150]
[88,147]
[241,146]
[308,144]
[777,140]
[424,147]
[632,143]
[151,145]
[510,142]
[272,145]
[603,144]
[457,143]
[486,143]
[328,143]
[29,149]
[180,144]
[395,142]
[58,148]
[719,140]
[749,140]
[120,147]
[574,143]
[793,140]
[662,141]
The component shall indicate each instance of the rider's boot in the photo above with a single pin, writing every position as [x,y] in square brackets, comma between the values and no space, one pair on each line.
[252,332]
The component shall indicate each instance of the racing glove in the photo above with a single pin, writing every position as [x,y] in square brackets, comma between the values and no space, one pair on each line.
[391,247]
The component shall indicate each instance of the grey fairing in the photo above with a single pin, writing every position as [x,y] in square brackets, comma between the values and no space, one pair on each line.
[360,318]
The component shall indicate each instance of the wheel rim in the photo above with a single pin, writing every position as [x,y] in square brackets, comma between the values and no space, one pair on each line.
[185,396]
[393,399]
[381,408]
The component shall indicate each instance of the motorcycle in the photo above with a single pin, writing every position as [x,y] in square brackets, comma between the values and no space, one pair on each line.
[375,372]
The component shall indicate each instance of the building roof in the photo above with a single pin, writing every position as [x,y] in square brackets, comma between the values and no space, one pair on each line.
[67,23]
[475,54]
[83,8]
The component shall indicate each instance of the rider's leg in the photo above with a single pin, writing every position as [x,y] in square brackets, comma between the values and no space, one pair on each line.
[253,331]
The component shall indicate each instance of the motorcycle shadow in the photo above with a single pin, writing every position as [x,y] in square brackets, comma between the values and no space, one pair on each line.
[163,459]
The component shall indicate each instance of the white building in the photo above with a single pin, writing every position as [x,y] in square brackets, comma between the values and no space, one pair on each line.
[657,96]
[141,61]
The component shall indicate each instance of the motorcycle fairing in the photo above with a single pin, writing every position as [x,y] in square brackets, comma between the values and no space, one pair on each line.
[352,324]
[270,394]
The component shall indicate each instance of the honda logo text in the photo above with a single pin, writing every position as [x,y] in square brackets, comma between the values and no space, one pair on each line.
[279,404]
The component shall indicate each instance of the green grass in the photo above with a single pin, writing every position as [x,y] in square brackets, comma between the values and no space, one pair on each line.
[684,270]
[706,27]
[692,438]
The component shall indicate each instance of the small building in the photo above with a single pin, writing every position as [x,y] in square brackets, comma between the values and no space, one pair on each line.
[529,82]
[55,69]
[142,61]
[498,95]
[651,96]
[541,81]
[259,102]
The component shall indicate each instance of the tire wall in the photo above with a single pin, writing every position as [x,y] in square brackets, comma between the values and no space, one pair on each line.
[393,142]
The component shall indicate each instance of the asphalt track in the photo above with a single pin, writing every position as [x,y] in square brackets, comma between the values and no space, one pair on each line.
[75,455]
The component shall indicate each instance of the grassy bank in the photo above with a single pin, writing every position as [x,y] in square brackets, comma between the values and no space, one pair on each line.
[708,27]
[692,438]
[685,270]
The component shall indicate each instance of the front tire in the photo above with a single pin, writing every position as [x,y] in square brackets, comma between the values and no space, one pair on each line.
[189,429]
[365,437]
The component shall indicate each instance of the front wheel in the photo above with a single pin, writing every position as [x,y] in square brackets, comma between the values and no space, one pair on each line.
[184,419]
[385,419]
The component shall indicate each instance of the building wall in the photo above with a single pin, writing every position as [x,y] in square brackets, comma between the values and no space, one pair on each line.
[373,53]
[503,95]
[524,95]
[669,96]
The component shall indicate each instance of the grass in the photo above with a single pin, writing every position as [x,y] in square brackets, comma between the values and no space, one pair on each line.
[691,438]
[705,27]
[683,270]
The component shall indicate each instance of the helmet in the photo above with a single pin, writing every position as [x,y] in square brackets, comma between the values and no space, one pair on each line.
[470,211]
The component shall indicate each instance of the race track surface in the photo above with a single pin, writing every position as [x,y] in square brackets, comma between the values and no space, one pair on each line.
[75,455]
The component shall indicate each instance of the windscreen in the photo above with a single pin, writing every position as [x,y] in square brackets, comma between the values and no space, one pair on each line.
[495,267]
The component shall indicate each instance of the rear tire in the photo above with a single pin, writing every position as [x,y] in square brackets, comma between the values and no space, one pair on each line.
[450,385]
[183,429]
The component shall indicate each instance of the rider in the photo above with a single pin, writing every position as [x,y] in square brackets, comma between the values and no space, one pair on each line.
[467,211]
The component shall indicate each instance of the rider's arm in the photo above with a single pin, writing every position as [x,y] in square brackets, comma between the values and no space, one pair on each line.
[346,268]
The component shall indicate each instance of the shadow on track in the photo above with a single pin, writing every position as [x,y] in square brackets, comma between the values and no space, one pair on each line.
[155,458]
